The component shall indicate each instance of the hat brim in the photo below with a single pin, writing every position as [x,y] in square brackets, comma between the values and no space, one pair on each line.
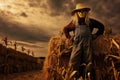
[78,10]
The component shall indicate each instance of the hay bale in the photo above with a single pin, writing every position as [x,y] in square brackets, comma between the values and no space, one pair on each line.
[60,50]
[106,45]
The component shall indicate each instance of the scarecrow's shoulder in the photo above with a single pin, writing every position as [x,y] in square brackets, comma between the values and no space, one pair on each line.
[95,21]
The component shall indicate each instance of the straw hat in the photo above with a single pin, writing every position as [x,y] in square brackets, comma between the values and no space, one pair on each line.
[80,7]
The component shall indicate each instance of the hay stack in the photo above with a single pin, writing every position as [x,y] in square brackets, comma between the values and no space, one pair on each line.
[105,50]
[60,50]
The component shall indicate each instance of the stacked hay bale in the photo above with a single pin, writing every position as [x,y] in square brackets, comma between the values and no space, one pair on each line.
[51,60]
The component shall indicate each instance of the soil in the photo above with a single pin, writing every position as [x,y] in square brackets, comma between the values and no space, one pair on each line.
[33,75]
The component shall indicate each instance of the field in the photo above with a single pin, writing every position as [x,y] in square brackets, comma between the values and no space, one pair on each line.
[15,64]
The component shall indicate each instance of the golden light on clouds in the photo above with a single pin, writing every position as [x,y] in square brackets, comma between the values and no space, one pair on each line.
[35,21]
[1,6]
[30,23]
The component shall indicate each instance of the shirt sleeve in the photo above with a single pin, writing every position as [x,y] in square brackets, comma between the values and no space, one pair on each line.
[67,29]
[98,25]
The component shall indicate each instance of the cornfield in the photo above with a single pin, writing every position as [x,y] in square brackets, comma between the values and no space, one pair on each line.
[106,50]
[12,61]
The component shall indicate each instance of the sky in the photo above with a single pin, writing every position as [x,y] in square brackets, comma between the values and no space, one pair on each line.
[32,22]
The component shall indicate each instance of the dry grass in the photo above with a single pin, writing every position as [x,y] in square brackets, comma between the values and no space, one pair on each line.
[105,64]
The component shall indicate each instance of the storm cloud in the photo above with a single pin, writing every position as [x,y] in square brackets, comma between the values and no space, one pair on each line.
[18,31]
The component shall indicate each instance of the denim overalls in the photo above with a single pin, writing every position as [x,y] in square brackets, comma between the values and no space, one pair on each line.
[81,53]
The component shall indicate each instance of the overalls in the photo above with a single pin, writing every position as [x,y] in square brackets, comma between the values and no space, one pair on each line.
[81,53]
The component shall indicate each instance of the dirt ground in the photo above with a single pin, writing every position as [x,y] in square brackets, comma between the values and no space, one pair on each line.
[34,75]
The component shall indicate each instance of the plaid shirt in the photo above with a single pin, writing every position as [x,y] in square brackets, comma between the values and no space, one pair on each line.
[93,24]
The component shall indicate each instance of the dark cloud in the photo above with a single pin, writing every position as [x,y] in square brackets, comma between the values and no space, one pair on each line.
[60,7]
[24,14]
[19,32]
[108,12]
[55,4]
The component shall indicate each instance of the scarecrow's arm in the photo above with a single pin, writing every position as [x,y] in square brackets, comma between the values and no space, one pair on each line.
[67,29]
[99,26]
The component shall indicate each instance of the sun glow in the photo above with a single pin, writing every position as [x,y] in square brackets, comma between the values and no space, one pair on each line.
[2,5]
[8,6]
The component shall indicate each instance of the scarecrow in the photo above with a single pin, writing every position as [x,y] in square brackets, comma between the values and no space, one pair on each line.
[82,27]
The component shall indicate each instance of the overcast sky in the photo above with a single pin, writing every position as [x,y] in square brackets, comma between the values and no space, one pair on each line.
[32,22]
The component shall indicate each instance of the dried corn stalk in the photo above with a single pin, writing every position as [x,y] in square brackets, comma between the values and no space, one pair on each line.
[102,46]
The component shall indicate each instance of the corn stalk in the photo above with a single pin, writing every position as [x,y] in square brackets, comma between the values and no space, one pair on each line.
[114,71]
